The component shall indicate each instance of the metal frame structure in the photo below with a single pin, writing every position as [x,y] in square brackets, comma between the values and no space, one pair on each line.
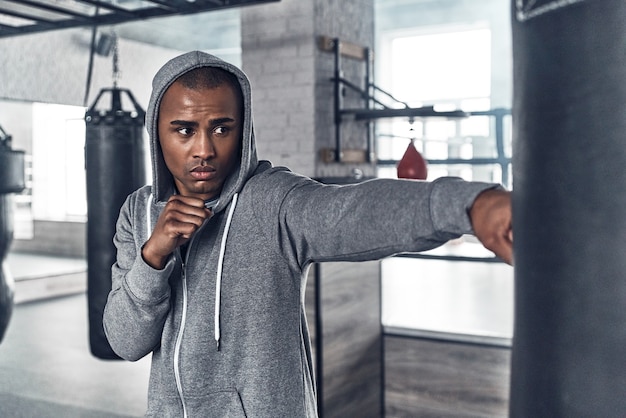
[373,107]
[500,159]
[20,17]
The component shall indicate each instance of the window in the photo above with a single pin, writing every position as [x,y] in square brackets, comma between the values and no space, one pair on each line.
[442,67]
[448,68]
[59,191]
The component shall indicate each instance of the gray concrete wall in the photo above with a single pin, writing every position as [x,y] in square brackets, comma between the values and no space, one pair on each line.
[65,239]
[52,67]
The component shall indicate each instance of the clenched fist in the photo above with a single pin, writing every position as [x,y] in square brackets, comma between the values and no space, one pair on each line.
[491,218]
[179,220]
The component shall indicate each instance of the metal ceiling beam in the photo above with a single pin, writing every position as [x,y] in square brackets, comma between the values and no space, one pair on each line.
[36,15]
[48,7]
[107,6]
[24,16]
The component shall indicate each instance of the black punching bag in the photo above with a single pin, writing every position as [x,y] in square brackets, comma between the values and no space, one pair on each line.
[11,181]
[569,207]
[114,163]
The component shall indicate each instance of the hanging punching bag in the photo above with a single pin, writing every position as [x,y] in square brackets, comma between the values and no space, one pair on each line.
[569,207]
[412,165]
[114,162]
[11,181]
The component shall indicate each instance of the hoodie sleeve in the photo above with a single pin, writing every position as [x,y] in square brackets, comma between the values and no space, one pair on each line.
[139,301]
[373,219]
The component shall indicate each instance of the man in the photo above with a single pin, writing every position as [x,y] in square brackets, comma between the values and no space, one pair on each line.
[212,258]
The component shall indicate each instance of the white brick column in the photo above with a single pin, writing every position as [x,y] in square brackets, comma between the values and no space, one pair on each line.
[290,76]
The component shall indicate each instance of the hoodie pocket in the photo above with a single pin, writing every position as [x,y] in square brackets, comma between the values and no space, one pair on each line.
[220,404]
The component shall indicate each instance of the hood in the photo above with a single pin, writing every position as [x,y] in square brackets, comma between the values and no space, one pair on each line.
[162,181]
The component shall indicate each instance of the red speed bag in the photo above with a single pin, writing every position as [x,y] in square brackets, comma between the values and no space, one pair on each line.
[412,165]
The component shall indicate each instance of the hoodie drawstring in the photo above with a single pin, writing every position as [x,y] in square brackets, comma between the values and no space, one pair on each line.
[149,214]
[220,264]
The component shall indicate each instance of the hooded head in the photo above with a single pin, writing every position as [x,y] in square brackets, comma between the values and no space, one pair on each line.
[163,181]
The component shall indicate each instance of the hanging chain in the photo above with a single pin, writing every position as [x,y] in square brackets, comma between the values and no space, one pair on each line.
[116,68]
[412,130]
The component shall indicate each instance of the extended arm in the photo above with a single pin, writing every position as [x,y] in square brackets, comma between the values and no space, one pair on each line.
[370,220]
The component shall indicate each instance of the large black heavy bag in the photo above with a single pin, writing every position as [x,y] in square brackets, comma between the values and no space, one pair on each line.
[115,167]
[11,181]
[569,118]
[6,280]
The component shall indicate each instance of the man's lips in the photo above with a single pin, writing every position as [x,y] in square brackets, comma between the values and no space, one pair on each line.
[204,172]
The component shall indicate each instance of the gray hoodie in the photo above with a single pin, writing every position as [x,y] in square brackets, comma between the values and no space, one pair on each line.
[226,325]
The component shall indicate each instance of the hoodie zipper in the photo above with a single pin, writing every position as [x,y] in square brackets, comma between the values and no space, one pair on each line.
[179,339]
[181,329]
[183,320]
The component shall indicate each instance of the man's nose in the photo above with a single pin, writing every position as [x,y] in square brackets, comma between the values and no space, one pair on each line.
[204,147]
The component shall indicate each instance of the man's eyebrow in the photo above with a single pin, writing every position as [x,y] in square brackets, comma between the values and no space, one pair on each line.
[192,124]
[185,123]
[218,121]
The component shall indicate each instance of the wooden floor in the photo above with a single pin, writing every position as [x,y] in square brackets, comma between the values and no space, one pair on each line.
[345,324]
[426,378]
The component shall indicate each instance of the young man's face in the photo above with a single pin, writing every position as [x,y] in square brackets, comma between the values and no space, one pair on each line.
[200,135]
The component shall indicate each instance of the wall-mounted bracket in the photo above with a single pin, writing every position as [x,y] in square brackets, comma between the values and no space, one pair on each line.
[373,107]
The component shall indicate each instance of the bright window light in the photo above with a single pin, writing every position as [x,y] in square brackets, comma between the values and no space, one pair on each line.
[439,67]
[59,191]
[445,67]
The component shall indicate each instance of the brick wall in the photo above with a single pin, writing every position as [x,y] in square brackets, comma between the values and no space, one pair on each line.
[290,76]
[278,56]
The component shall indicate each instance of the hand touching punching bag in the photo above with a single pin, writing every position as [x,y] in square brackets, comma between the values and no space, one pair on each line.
[114,162]
[569,207]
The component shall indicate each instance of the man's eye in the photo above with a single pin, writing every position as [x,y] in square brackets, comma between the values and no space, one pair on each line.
[221,130]
[184,131]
